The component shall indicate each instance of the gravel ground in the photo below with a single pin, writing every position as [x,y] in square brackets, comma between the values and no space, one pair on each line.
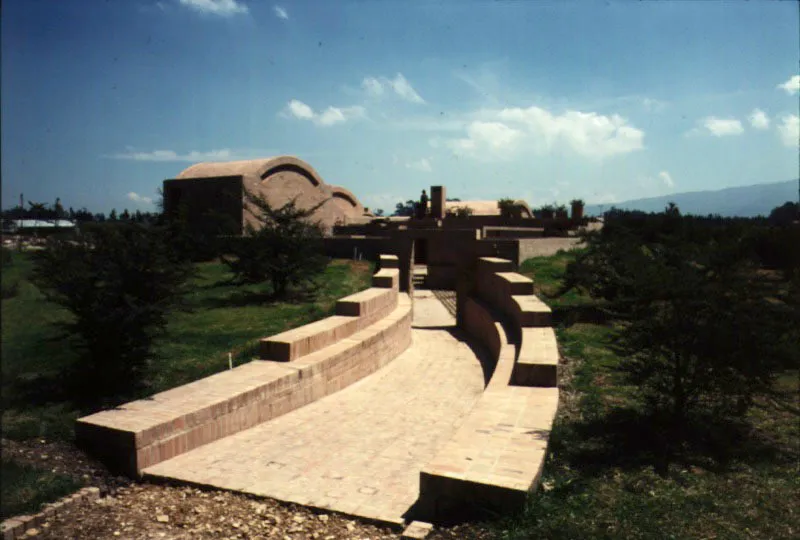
[140,510]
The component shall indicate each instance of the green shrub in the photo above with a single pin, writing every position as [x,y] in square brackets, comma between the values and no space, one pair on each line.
[703,329]
[284,250]
[119,281]
[507,207]
[460,212]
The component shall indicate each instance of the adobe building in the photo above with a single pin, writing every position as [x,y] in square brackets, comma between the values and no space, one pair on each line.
[488,208]
[438,238]
[217,188]
[444,243]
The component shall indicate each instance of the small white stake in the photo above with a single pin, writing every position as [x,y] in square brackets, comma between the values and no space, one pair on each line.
[230,361]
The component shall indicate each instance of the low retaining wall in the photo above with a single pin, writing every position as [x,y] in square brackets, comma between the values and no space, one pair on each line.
[537,360]
[352,247]
[511,293]
[353,313]
[142,433]
[540,247]
[496,457]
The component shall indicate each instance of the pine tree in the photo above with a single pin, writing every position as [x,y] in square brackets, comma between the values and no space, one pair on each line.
[284,250]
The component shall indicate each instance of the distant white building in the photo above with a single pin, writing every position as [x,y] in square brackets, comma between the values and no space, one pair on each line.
[22,226]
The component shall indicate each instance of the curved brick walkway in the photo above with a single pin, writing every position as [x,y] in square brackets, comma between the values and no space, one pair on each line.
[358,451]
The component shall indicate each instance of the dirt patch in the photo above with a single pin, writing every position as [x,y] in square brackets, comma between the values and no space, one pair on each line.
[139,510]
[142,511]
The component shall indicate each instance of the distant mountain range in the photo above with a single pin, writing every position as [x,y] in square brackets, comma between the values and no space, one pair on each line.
[743,201]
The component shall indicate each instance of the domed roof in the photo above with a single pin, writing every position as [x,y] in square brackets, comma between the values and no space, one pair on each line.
[250,167]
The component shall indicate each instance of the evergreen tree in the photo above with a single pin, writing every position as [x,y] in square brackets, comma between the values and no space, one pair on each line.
[119,282]
[701,328]
[284,249]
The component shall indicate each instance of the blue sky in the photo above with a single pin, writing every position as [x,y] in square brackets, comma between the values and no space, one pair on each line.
[545,101]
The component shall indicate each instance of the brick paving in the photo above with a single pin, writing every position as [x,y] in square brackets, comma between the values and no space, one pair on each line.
[359,451]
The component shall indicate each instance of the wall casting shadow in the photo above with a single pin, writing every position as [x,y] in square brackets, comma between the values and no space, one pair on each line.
[483,356]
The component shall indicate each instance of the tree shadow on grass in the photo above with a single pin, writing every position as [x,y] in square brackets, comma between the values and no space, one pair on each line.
[628,438]
[245,298]
[36,389]
[580,313]
[226,282]
[237,299]
[40,383]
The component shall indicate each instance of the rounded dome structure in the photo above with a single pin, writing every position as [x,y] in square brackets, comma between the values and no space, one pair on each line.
[212,186]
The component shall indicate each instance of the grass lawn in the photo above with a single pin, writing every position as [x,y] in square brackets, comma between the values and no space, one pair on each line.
[220,318]
[24,489]
[606,477]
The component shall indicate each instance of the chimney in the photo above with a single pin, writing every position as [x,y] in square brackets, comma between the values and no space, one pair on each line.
[437,202]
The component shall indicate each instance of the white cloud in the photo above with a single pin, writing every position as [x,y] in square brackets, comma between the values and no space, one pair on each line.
[376,86]
[487,140]
[385,201]
[423,165]
[665,177]
[194,156]
[650,185]
[791,86]
[430,123]
[372,86]
[336,115]
[484,82]
[135,197]
[721,127]
[404,89]
[329,117]
[280,12]
[500,133]
[589,134]
[223,8]
[759,119]
[157,7]
[298,109]
[653,105]
[789,130]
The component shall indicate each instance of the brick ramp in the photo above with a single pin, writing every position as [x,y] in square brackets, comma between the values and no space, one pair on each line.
[328,356]
[358,451]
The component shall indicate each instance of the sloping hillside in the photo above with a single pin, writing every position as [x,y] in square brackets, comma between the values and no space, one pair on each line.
[744,201]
